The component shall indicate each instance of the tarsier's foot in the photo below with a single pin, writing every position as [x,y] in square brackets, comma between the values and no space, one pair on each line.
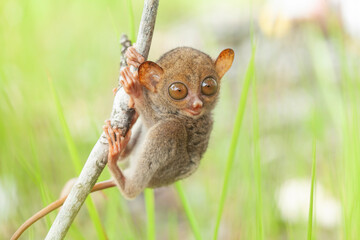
[133,58]
[117,143]
[131,84]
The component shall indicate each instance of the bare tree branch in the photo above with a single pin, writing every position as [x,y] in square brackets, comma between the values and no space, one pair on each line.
[121,117]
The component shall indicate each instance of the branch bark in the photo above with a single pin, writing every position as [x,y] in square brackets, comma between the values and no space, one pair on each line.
[121,117]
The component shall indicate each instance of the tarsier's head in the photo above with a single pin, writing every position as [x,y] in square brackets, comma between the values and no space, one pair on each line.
[185,81]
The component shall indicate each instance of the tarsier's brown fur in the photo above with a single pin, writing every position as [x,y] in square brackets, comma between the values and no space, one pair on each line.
[170,137]
[173,139]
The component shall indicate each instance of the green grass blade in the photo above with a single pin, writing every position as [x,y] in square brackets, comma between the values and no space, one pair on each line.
[116,30]
[34,171]
[131,21]
[189,213]
[40,182]
[351,152]
[65,129]
[76,162]
[311,213]
[235,136]
[150,212]
[257,164]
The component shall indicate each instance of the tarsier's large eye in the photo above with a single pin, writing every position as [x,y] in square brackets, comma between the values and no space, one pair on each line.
[209,86]
[178,91]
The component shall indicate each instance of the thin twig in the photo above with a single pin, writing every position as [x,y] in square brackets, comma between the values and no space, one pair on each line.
[121,117]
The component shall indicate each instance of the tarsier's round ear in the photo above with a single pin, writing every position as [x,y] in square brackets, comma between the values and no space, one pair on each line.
[224,61]
[150,74]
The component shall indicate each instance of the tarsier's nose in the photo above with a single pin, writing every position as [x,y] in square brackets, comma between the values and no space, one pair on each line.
[197,104]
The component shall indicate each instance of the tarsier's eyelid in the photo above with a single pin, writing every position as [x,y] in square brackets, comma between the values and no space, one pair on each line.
[210,76]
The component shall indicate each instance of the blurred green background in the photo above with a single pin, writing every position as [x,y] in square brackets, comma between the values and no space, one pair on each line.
[305,88]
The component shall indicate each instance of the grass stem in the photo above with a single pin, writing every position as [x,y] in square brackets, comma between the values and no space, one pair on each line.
[150,212]
[189,213]
[235,136]
[311,206]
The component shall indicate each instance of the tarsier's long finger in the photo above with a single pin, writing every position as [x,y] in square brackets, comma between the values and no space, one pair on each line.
[123,74]
[116,151]
[124,83]
[118,138]
[136,74]
[122,78]
[129,77]
[125,140]
[114,91]
[128,73]
[130,52]
[111,133]
[133,63]
[131,56]
[138,56]
[134,78]
[130,83]
[106,131]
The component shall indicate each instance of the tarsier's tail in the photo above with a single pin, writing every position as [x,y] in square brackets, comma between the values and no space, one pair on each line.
[55,205]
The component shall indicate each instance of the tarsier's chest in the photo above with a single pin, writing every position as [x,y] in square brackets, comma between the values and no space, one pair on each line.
[181,166]
[198,137]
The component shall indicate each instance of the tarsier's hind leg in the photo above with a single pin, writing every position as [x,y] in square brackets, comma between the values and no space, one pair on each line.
[129,186]
[117,145]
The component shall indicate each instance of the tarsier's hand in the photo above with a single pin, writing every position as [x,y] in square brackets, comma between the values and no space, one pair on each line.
[133,58]
[117,143]
[131,84]
[130,81]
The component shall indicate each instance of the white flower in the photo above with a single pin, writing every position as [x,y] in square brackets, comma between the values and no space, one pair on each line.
[293,201]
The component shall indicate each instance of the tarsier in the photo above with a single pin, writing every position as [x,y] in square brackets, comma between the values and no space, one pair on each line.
[174,98]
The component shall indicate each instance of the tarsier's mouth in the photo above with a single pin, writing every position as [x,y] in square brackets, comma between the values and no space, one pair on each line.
[193,112]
